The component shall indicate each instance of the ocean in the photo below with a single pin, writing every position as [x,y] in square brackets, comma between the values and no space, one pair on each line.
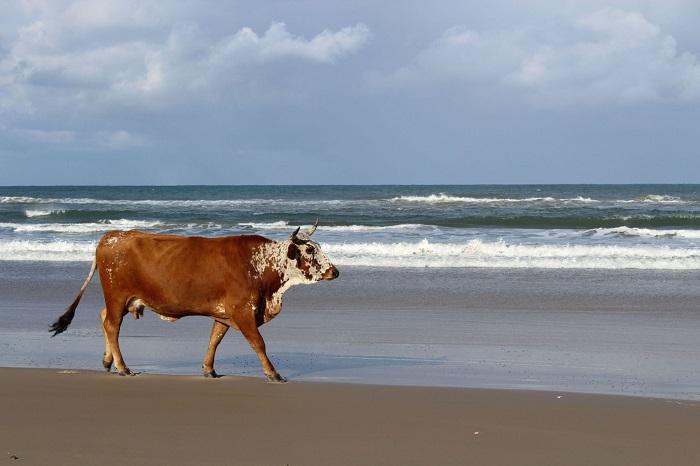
[501,226]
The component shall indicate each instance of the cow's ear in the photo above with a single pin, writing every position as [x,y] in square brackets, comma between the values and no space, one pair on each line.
[293,252]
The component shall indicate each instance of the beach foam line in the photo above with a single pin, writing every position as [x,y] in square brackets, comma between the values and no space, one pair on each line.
[654,199]
[170,202]
[60,250]
[445,198]
[17,199]
[283,225]
[643,233]
[500,254]
[429,199]
[473,253]
[107,225]
[43,213]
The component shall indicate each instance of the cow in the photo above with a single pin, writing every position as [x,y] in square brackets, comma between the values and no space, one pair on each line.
[238,281]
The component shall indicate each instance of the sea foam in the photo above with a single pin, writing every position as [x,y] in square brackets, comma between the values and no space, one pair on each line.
[185,203]
[500,254]
[42,213]
[473,253]
[444,198]
[643,233]
[283,225]
[107,225]
[27,250]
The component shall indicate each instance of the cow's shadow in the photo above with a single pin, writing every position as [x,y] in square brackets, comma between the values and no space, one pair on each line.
[305,365]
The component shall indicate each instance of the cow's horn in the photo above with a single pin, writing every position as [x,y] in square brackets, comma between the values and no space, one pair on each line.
[313,228]
[293,235]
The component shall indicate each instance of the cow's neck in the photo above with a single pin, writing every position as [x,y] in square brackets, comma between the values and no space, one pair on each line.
[277,273]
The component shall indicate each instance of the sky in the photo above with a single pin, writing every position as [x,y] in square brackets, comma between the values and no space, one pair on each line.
[349,92]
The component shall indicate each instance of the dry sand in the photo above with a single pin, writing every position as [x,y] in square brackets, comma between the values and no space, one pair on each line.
[73,418]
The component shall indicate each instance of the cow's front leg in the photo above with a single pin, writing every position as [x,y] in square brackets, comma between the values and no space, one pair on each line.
[218,331]
[256,342]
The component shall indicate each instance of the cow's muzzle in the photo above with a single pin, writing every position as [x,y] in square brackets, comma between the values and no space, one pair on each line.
[331,274]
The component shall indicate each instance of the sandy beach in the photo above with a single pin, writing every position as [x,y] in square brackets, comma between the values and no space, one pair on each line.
[82,417]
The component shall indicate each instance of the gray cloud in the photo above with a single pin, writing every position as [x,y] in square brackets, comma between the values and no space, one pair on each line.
[138,69]
[607,57]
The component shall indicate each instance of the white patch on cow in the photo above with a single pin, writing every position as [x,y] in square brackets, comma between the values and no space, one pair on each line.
[110,274]
[114,238]
[274,256]
[220,309]
[111,240]
[115,259]
[316,256]
[169,319]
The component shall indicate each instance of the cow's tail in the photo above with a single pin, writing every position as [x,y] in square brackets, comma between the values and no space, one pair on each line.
[67,317]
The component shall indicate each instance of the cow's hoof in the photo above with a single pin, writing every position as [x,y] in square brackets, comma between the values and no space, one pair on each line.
[124,372]
[107,365]
[210,374]
[276,378]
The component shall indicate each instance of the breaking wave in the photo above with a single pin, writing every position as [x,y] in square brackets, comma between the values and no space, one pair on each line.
[283,225]
[18,200]
[643,233]
[184,203]
[43,213]
[26,250]
[473,253]
[106,225]
[428,199]
[499,254]
[440,198]
[445,198]
[662,199]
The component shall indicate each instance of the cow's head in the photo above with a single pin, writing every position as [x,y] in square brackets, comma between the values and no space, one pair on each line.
[306,255]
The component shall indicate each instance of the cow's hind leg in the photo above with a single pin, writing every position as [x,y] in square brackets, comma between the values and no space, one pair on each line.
[112,323]
[256,342]
[218,331]
[107,358]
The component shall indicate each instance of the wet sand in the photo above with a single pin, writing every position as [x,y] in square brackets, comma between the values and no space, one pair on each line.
[54,418]
[611,332]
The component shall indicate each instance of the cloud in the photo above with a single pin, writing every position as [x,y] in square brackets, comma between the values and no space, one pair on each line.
[277,43]
[77,140]
[121,139]
[50,137]
[608,57]
[93,57]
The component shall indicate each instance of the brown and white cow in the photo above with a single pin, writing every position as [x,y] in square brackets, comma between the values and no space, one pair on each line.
[238,281]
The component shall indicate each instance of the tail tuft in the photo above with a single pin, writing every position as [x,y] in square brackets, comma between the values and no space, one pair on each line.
[64,321]
[66,318]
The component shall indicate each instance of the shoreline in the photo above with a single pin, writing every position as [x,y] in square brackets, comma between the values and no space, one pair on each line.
[252,378]
[256,374]
[85,417]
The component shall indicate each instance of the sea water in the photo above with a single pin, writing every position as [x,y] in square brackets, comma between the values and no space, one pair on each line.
[507,226]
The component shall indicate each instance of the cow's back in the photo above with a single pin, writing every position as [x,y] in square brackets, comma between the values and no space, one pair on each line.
[174,274]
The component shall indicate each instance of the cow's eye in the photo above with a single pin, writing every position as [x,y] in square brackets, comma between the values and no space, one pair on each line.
[309,250]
